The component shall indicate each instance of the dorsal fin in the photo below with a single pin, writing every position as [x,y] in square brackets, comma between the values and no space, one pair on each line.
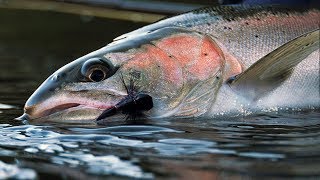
[271,70]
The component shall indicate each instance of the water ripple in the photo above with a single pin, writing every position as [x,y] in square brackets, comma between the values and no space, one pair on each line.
[9,171]
[123,150]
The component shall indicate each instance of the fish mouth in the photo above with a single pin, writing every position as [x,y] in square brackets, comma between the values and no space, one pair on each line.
[61,107]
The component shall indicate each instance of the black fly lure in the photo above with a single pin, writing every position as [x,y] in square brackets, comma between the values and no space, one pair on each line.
[132,105]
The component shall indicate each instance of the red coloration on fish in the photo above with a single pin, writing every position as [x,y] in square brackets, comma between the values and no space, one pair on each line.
[209,61]
[181,55]
[184,48]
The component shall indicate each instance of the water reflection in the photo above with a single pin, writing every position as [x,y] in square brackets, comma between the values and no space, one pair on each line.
[14,172]
[6,106]
[251,142]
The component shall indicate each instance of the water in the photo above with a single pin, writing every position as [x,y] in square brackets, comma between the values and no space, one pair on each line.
[34,44]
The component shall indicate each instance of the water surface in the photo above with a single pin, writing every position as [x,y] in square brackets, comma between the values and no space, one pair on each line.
[34,44]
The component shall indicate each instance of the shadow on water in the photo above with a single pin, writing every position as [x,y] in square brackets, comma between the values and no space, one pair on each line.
[34,44]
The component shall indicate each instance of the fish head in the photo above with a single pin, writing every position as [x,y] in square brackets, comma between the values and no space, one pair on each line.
[180,69]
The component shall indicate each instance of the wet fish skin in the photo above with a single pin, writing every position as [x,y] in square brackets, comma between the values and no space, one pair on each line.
[238,35]
[249,33]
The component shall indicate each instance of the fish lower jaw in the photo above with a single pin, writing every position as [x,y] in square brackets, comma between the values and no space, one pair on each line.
[63,109]
[77,114]
[59,108]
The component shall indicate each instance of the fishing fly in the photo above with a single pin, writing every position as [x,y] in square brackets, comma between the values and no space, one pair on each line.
[131,105]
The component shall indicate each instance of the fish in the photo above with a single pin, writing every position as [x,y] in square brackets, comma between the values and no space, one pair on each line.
[217,61]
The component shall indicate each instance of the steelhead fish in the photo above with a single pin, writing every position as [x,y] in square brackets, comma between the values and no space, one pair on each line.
[224,60]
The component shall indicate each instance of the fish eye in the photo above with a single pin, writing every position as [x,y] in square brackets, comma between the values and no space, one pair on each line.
[95,70]
[97,75]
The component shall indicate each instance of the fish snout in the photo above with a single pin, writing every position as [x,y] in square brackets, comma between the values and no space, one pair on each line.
[45,91]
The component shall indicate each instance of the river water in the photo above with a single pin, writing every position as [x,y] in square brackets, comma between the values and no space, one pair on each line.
[34,44]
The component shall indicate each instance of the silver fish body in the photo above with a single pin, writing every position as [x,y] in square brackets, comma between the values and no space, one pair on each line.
[240,35]
[249,33]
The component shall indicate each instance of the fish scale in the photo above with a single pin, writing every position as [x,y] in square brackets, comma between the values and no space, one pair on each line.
[249,33]
[225,60]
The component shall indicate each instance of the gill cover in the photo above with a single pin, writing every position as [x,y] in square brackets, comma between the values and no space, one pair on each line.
[184,68]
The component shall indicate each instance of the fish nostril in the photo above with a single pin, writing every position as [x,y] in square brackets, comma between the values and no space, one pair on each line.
[56,77]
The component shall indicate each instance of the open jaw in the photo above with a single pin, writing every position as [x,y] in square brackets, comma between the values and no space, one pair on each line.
[67,108]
